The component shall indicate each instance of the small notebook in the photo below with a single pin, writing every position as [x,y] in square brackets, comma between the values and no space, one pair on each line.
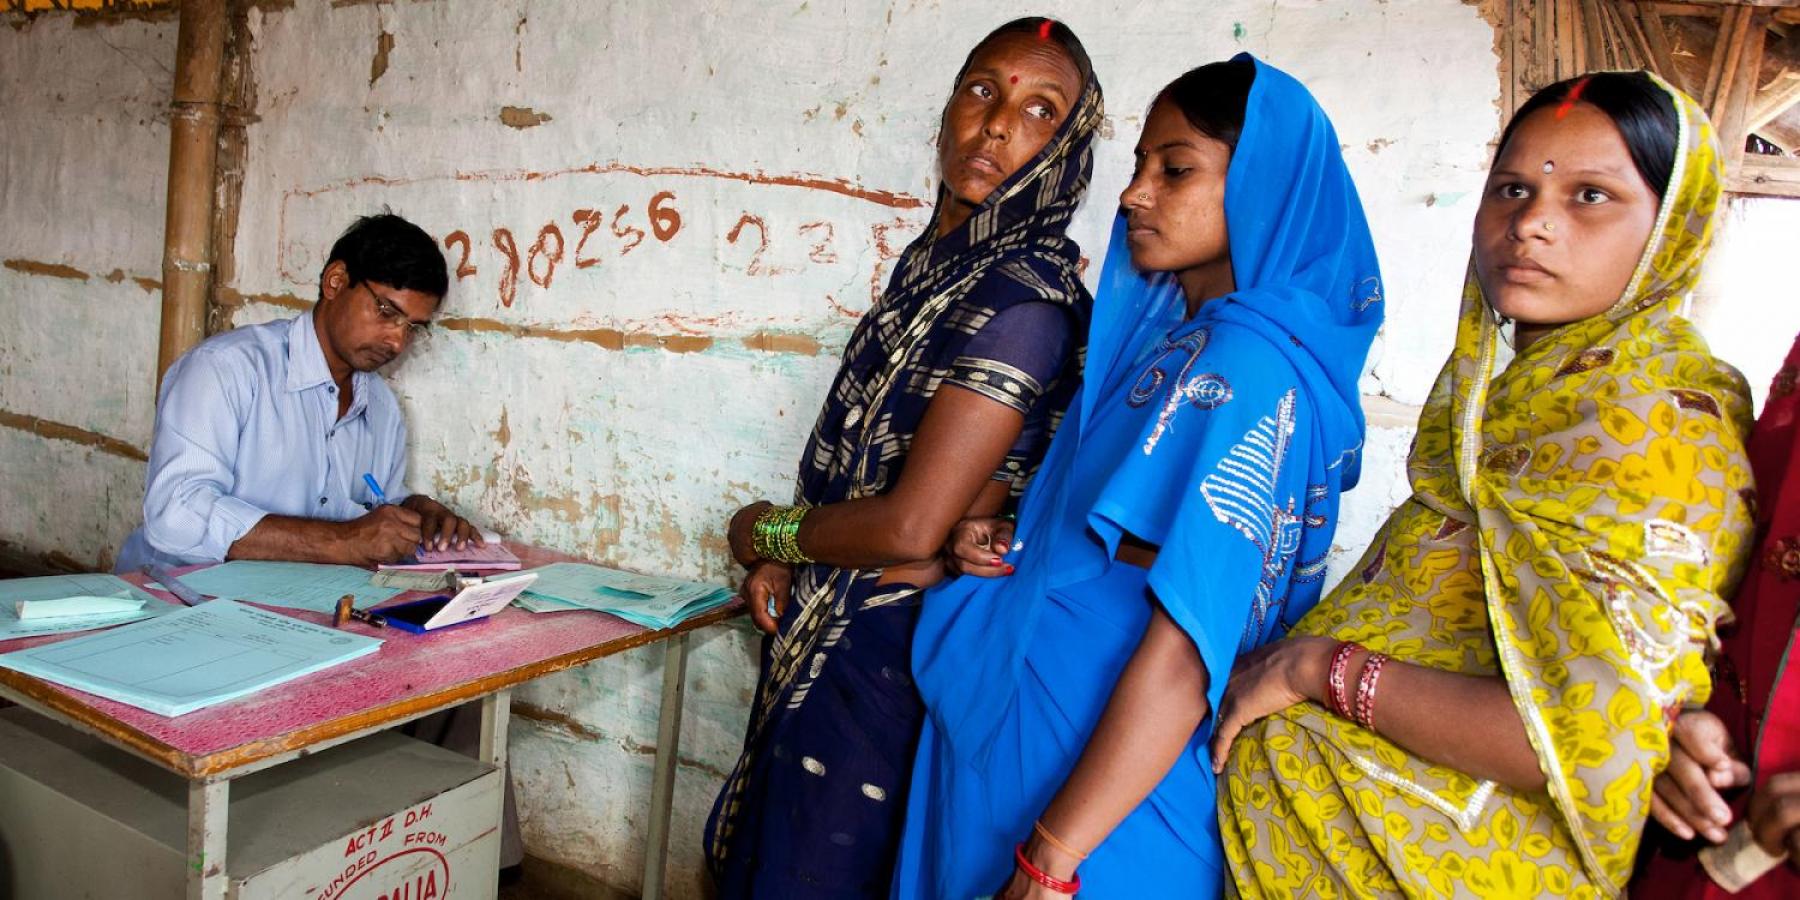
[489,557]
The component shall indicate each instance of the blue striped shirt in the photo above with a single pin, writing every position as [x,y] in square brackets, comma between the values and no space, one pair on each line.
[247,426]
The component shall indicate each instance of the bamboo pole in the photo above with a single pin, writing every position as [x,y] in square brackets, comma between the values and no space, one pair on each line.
[193,159]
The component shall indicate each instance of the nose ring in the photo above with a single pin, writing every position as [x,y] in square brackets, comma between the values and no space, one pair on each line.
[1549,226]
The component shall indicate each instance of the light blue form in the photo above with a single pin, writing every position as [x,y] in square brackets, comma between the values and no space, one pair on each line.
[192,658]
[56,587]
[295,585]
[645,600]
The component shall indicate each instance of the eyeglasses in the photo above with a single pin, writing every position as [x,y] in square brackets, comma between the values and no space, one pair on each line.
[394,318]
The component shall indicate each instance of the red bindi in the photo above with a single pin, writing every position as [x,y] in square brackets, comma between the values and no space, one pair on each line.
[1044,30]
[1015,79]
[1569,101]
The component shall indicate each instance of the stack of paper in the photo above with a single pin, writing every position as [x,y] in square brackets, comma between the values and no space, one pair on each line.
[294,585]
[191,658]
[641,599]
[62,603]
[491,556]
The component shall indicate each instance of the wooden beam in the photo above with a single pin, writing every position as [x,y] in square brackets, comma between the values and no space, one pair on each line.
[1768,176]
[1775,98]
[1662,57]
[1715,4]
[1720,64]
[1737,84]
[1571,48]
[1686,9]
[1631,32]
[1593,34]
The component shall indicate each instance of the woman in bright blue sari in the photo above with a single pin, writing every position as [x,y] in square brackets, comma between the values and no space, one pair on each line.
[1182,515]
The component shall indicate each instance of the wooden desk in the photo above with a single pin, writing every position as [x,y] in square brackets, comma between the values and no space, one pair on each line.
[409,677]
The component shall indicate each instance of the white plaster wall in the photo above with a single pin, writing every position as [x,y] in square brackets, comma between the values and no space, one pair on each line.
[1748,301]
[83,161]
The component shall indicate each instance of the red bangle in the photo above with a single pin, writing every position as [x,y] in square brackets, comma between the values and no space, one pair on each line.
[1337,692]
[1365,690]
[1038,875]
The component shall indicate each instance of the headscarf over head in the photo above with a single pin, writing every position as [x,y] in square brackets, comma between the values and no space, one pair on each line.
[1604,473]
[1258,430]
[1014,248]
[1017,235]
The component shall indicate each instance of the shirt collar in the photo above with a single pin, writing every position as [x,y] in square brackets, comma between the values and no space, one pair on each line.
[307,369]
[305,359]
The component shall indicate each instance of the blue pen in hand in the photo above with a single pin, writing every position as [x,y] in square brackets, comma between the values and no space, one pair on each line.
[375,488]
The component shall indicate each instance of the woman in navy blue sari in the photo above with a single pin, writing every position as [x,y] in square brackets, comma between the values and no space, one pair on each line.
[1182,515]
[949,389]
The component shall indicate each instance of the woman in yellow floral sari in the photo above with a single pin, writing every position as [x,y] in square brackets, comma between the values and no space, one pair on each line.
[1480,708]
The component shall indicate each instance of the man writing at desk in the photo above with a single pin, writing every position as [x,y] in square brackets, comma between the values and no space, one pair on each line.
[264,433]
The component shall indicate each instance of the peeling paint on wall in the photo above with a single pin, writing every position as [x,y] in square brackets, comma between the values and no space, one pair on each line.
[522,117]
[384,44]
[54,270]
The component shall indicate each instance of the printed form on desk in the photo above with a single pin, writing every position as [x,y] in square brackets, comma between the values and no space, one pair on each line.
[308,586]
[192,658]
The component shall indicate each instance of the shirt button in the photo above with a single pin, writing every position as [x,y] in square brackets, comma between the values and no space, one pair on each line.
[331,390]
[321,501]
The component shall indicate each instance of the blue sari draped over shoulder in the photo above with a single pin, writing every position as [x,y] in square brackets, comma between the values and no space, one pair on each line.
[1225,440]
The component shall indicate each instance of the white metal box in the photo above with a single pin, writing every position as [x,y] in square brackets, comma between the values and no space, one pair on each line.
[381,818]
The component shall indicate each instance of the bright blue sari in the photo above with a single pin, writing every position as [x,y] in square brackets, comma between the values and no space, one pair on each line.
[1225,440]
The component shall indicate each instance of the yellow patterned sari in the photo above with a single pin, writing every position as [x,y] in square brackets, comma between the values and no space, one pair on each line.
[1573,524]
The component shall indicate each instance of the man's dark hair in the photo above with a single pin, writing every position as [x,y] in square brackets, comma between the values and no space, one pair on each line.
[1643,112]
[388,249]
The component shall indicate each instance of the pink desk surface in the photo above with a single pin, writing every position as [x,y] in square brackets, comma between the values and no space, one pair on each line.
[410,674]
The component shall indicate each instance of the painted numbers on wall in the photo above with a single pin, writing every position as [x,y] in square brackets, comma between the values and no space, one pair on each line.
[629,244]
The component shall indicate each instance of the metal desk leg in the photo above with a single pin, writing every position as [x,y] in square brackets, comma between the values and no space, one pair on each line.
[209,805]
[662,784]
[496,708]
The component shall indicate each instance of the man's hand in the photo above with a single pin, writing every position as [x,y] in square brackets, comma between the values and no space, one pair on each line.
[439,527]
[383,535]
